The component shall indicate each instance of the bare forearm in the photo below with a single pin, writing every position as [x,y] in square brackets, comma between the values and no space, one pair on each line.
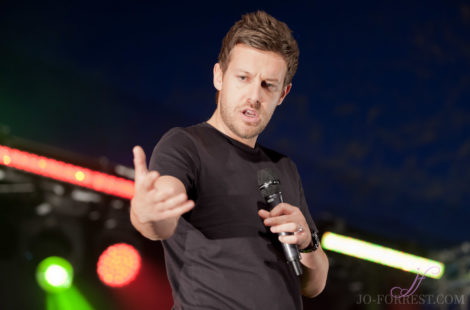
[315,272]
[160,230]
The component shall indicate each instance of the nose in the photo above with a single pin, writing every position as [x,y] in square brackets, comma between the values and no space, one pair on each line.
[255,93]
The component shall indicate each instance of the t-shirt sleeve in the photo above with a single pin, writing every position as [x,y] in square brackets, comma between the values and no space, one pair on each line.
[176,155]
[303,203]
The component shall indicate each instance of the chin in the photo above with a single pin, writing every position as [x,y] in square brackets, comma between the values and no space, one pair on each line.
[251,133]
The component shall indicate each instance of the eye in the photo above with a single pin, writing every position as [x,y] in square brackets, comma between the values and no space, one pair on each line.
[269,86]
[242,77]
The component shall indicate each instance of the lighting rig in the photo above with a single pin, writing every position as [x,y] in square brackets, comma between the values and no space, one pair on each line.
[59,212]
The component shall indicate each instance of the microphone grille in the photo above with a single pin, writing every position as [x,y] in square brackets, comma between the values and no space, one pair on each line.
[268,182]
[265,175]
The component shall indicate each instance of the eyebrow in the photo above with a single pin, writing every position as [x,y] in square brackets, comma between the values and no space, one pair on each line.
[268,79]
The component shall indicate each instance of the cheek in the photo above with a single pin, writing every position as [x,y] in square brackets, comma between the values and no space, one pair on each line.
[229,90]
[229,100]
[272,108]
[234,96]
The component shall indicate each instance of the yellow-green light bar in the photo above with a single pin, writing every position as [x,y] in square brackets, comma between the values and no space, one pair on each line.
[382,255]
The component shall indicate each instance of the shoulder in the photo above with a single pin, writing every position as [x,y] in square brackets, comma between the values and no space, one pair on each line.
[185,133]
[281,160]
[179,144]
[276,156]
[181,136]
[272,154]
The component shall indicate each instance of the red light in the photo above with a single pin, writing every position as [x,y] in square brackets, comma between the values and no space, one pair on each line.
[51,168]
[118,265]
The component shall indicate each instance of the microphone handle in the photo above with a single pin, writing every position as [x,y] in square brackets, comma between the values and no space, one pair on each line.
[291,251]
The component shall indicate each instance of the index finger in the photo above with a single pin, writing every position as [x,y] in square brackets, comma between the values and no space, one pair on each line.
[140,165]
[282,209]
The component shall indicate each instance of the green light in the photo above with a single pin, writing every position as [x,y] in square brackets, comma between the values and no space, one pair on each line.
[54,274]
[382,255]
[68,299]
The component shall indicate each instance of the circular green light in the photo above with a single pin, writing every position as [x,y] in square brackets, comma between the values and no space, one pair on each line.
[54,274]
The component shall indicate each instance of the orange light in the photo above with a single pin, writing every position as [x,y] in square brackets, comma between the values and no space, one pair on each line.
[118,265]
[6,159]
[42,164]
[80,176]
[62,171]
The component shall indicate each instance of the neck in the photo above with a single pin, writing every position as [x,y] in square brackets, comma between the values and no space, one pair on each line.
[217,122]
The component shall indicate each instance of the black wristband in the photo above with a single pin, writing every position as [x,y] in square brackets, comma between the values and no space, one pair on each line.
[314,244]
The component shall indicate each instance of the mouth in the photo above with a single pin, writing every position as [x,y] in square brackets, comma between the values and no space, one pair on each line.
[250,115]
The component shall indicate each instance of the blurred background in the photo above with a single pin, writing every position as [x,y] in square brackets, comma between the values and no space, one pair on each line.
[377,121]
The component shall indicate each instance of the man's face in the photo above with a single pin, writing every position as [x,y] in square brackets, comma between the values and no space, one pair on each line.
[249,91]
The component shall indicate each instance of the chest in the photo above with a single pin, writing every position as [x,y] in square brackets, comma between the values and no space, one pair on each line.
[228,199]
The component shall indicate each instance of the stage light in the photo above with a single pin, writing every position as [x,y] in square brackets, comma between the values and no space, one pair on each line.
[382,255]
[54,274]
[69,299]
[6,159]
[65,172]
[80,176]
[118,265]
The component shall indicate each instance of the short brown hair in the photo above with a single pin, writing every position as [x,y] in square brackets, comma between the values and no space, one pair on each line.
[262,31]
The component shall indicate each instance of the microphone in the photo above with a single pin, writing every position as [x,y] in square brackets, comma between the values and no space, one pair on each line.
[270,188]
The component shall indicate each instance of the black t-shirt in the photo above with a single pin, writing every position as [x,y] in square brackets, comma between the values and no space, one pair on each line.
[222,256]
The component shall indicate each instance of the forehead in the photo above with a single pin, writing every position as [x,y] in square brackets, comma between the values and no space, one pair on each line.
[255,61]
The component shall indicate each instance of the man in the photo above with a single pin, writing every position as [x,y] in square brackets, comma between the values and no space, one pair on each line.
[201,196]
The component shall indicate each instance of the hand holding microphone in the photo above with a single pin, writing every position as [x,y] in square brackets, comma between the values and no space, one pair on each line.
[284,219]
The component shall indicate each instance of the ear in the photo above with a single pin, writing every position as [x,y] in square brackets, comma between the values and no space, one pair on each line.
[218,75]
[284,93]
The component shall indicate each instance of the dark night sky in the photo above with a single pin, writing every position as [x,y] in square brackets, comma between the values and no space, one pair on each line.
[377,121]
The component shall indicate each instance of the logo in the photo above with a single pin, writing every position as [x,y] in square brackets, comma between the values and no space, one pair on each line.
[400,295]
[398,292]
